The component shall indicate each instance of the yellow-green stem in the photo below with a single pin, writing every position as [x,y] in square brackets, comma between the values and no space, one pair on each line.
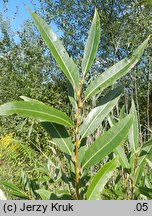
[77,142]
[77,149]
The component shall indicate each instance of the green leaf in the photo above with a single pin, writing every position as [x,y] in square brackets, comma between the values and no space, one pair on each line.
[144,152]
[56,196]
[122,112]
[10,185]
[19,194]
[119,150]
[58,51]
[148,143]
[133,132]
[59,136]
[82,151]
[100,179]
[122,157]
[35,110]
[133,139]
[44,194]
[115,72]
[113,194]
[30,99]
[146,191]
[14,190]
[72,96]
[149,155]
[91,46]
[98,114]
[106,143]
[149,163]
[148,182]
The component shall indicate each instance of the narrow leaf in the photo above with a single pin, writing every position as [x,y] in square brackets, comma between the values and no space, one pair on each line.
[35,110]
[72,96]
[115,72]
[91,44]
[149,163]
[133,132]
[122,112]
[119,150]
[146,191]
[122,157]
[59,136]
[44,194]
[14,190]
[19,194]
[82,151]
[148,143]
[144,152]
[149,155]
[58,51]
[25,98]
[98,114]
[58,133]
[100,179]
[106,143]
[10,185]
[133,139]
[141,161]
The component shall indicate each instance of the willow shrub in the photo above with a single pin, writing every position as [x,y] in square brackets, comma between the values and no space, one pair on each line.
[79,158]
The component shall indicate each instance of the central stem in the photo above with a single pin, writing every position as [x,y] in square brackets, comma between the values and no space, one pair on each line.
[77,141]
[77,147]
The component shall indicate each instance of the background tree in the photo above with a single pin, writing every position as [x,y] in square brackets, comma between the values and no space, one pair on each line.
[27,68]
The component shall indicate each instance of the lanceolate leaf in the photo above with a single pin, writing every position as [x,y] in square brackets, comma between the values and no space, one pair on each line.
[146,191]
[14,190]
[10,186]
[149,155]
[148,143]
[120,151]
[100,179]
[98,114]
[82,151]
[91,44]
[59,136]
[149,163]
[44,194]
[115,72]
[30,99]
[145,150]
[72,96]
[133,139]
[58,51]
[122,157]
[105,144]
[35,110]
[133,132]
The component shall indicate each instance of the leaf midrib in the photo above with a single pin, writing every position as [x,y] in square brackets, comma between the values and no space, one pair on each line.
[37,18]
[113,75]
[90,53]
[104,146]
[104,107]
[99,180]
[62,139]
[35,111]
